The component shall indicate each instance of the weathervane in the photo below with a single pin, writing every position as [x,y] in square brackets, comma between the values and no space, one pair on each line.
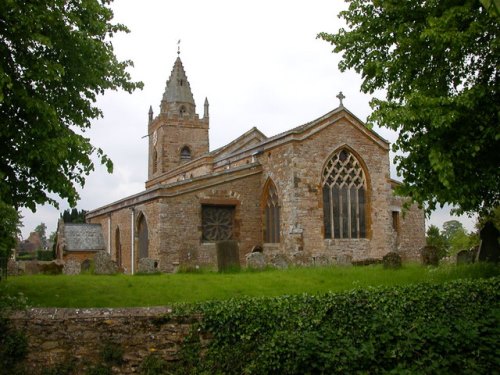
[341,97]
[179,47]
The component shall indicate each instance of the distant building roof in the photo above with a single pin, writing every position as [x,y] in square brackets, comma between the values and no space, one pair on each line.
[83,237]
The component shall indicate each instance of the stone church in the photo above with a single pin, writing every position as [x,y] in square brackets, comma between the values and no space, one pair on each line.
[319,193]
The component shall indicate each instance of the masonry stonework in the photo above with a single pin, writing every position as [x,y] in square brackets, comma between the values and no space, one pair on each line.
[165,221]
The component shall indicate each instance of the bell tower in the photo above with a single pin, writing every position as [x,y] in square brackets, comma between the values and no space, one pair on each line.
[177,135]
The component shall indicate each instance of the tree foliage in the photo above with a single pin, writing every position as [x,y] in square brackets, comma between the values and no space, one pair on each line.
[9,223]
[56,57]
[73,216]
[438,62]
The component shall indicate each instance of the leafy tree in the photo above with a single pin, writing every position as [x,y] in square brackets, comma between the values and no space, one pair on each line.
[436,239]
[73,216]
[41,229]
[9,224]
[56,57]
[438,62]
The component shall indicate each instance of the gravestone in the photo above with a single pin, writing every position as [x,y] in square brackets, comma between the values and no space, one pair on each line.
[344,260]
[148,265]
[392,260]
[103,265]
[489,249]
[72,267]
[429,256]
[256,260]
[280,261]
[228,255]
[321,260]
[299,258]
[85,265]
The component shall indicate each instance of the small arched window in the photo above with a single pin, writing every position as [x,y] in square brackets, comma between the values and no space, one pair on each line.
[271,214]
[182,110]
[344,197]
[185,153]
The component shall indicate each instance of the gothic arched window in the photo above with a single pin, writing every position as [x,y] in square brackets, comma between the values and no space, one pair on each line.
[271,214]
[344,197]
[185,153]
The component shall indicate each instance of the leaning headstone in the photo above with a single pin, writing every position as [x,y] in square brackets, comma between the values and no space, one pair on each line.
[465,257]
[489,250]
[148,265]
[103,265]
[392,260]
[429,256]
[72,267]
[228,255]
[256,260]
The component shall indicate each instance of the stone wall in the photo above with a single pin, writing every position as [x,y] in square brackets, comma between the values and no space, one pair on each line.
[58,335]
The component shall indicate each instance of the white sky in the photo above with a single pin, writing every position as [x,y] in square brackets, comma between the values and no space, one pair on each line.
[259,63]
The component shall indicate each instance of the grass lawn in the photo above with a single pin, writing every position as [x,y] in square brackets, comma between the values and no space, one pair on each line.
[167,289]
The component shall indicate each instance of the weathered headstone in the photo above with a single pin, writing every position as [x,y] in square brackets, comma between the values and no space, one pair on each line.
[280,261]
[50,268]
[321,260]
[344,259]
[429,256]
[299,258]
[72,267]
[228,255]
[489,250]
[148,265]
[103,265]
[256,260]
[86,264]
[392,260]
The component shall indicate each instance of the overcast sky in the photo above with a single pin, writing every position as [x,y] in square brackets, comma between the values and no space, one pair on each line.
[258,63]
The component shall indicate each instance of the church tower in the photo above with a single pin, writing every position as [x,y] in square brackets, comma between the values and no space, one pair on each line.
[177,135]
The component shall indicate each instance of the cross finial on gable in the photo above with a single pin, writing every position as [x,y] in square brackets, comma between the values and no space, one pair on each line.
[341,97]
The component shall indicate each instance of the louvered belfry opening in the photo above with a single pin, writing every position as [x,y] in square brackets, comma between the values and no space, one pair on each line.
[344,197]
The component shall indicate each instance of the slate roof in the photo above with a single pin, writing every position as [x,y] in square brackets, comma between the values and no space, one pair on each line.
[83,237]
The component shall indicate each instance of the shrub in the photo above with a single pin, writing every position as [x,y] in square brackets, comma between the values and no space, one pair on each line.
[422,328]
[153,364]
[44,255]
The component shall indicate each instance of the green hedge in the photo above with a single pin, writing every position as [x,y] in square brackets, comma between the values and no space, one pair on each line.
[419,329]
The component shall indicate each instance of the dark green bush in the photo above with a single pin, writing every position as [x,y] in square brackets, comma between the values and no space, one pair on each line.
[44,255]
[447,328]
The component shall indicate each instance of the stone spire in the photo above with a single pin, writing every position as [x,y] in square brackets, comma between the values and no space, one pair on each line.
[150,114]
[178,97]
[205,112]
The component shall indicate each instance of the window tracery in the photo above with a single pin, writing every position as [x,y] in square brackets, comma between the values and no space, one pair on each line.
[344,197]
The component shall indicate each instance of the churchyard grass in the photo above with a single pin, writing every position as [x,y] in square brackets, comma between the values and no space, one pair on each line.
[166,289]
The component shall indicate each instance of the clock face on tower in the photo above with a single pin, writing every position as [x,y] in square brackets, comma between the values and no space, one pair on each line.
[155,137]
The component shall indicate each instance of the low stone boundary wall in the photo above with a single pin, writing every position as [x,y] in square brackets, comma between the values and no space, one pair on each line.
[56,335]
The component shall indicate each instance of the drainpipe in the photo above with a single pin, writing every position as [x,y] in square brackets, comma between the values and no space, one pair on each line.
[132,252]
[109,234]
